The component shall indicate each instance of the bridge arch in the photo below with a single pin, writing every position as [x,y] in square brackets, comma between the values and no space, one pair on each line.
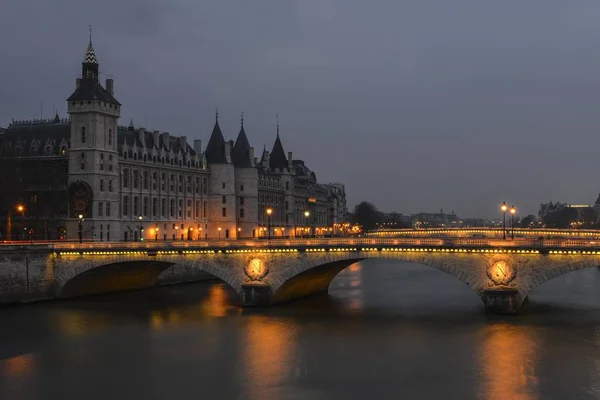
[314,274]
[119,273]
[560,268]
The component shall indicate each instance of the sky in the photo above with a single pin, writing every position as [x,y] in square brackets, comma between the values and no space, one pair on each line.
[415,105]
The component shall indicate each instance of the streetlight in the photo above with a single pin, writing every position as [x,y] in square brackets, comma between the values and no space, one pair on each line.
[141,228]
[219,229]
[269,212]
[80,228]
[239,233]
[513,210]
[176,227]
[503,208]
[156,234]
[306,215]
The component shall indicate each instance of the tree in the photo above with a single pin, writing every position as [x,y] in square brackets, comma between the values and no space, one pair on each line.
[367,215]
[561,218]
[528,221]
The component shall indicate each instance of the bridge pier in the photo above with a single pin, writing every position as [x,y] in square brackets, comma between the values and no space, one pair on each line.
[256,294]
[502,300]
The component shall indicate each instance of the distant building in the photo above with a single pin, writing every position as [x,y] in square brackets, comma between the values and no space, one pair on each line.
[436,220]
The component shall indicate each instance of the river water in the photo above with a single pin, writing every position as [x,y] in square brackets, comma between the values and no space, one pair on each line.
[387,330]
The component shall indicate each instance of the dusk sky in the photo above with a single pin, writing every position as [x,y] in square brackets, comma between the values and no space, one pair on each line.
[415,105]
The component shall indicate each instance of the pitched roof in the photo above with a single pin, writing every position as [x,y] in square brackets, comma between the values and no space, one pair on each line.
[40,132]
[241,150]
[277,158]
[215,149]
[89,89]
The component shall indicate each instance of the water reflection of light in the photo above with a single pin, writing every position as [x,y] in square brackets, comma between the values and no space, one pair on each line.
[268,356]
[216,304]
[79,323]
[508,358]
[356,295]
[18,367]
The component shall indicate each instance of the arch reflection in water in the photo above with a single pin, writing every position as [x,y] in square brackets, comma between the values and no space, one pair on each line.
[268,357]
[508,357]
[349,285]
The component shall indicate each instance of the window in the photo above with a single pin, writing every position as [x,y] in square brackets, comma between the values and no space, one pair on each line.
[145,213]
[163,207]
[180,211]
[136,179]
[189,184]
[197,209]
[107,209]
[125,205]
[223,185]
[110,186]
[241,188]
[145,182]
[154,179]
[110,137]
[204,186]
[197,187]
[100,208]
[101,162]
[172,208]
[287,186]
[180,185]
[82,161]
[102,185]
[224,211]
[189,208]
[287,205]
[204,209]
[241,200]
[126,177]
[110,167]
[136,205]
[241,213]
[224,199]
[83,134]
[172,183]
[154,206]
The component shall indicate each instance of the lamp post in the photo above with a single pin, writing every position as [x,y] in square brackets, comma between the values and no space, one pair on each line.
[156,233]
[219,229]
[269,212]
[141,228]
[513,210]
[176,228]
[503,207]
[306,215]
[239,233]
[80,228]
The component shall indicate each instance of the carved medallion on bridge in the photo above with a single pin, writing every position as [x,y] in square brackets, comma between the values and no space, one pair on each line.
[256,269]
[501,272]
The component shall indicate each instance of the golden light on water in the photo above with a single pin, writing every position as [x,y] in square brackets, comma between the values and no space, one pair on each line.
[18,367]
[508,358]
[269,356]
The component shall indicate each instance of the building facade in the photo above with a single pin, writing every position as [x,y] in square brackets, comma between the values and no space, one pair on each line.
[88,175]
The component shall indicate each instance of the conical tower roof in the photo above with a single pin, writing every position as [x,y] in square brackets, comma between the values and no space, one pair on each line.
[277,159]
[215,149]
[241,149]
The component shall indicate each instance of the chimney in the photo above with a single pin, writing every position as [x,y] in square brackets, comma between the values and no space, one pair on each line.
[228,146]
[183,143]
[198,147]
[109,86]
[77,83]
[290,160]
[251,157]
[156,139]
[166,140]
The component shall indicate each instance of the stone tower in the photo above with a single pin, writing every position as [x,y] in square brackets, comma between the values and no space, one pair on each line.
[246,185]
[93,157]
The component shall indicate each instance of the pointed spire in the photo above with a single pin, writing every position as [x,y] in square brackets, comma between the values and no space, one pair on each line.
[242,121]
[215,149]
[241,149]
[90,55]
[277,118]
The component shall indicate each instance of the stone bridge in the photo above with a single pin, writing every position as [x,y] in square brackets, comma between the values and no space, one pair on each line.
[502,273]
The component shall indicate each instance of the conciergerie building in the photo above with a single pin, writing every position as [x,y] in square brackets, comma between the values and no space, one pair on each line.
[127,183]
